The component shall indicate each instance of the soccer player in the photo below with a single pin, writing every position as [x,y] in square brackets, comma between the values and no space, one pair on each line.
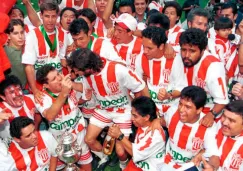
[14,103]
[30,149]
[111,83]
[147,150]
[187,137]
[44,45]
[60,108]
[204,70]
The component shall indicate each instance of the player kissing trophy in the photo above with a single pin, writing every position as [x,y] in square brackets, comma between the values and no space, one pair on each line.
[69,151]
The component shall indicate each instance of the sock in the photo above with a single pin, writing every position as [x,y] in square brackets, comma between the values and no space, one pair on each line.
[123,164]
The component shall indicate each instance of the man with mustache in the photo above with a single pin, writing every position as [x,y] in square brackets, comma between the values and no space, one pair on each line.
[14,103]
[230,137]
[30,149]
[204,70]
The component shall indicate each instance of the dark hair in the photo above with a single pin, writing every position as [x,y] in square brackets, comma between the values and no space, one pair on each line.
[68,9]
[12,23]
[152,11]
[18,124]
[231,5]
[175,5]
[9,80]
[77,26]
[223,23]
[194,36]
[197,12]
[87,12]
[156,34]
[42,72]
[235,107]
[196,94]
[83,59]
[49,6]
[126,3]
[13,8]
[158,18]
[145,106]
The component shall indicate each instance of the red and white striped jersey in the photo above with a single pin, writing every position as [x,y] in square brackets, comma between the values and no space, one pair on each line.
[70,3]
[230,150]
[129,52]
[186,140]
[105,49]
[174,37]
[224,49]
[148,150]
[34,158]
[99,27]
[28,109]
[162,73]
[111,86]
[209,74]
[38,53]
[70,116]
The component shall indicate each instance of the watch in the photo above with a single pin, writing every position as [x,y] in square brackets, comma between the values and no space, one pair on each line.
[120,137]
[214,113]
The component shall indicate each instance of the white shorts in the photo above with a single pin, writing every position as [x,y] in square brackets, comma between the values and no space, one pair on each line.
[103,118]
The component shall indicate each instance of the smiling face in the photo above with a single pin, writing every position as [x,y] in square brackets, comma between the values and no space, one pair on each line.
[188,111]
[232,123]
[140,6]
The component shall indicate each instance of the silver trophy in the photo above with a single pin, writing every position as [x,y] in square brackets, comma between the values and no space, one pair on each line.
[69,151]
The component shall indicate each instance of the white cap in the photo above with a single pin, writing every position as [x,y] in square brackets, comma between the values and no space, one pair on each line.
[127,21]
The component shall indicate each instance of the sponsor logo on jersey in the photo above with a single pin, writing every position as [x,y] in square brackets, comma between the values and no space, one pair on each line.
[58,65]
[143,165]
[179,157]
[236,161]
[200,82]
[197,143]
[154,96]
[114,103]
[43,154]
[65,124]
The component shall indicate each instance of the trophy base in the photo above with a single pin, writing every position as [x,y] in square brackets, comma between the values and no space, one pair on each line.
[71,167]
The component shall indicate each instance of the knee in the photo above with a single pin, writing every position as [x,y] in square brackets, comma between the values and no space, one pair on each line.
[120,151]
[89,140]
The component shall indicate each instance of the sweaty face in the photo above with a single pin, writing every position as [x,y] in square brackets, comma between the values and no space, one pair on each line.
[151,50]
[54,81]
[16,14]
[13,96]
[190,55]
[67,18]
[100,5]
[224,32]
[16,38]
[29,137]
[140,6]
[49,19]
[170,12]
[188,111]
[199,22]
[232,124]
[121,34]
[81,40]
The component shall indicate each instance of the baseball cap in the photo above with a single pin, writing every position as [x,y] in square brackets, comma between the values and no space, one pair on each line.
[126,21]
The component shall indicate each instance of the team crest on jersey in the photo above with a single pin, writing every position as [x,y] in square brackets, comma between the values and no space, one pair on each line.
[166,74]
[197,143]
[236,161]
[114,87]
[200,82]
[133,59]
[43,154]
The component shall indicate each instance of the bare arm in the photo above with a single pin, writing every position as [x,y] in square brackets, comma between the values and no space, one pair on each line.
[35,20]
[53,164]
[91,5]
[106,15]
